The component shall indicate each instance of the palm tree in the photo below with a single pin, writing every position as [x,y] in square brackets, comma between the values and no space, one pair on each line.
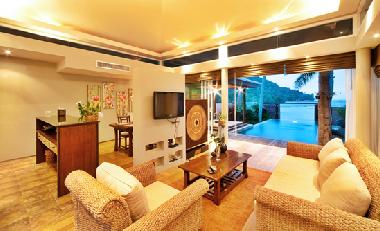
[324,96]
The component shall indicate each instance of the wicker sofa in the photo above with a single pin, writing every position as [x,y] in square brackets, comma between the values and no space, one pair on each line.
[275,210]
[99,208]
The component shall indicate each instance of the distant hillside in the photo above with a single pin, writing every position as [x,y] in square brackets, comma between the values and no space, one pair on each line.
[273,94]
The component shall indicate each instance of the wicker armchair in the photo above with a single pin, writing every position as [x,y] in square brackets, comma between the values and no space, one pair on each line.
[99,208]
[278,211]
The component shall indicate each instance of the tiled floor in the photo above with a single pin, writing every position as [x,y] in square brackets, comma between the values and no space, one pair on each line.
[28,191]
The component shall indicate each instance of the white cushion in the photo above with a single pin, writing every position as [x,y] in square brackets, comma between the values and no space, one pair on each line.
[330,163]
[331,146]
[126,185]
[295,176]
[158,193]
[346,190]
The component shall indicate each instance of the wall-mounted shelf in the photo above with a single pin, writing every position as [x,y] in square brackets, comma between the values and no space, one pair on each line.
[178,140]
[164,154]
[178,155]
[160,161]
[155,146]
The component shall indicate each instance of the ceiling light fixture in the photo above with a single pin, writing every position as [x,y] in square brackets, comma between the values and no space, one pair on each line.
[47,19]
[180,44]
[221,31]
[307,56]
[7,52]
[376,35]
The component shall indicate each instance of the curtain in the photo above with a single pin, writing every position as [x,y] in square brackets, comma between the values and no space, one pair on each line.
[375,113]
[350,104]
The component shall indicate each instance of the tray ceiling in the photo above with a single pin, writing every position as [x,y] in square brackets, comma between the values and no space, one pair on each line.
[166,25]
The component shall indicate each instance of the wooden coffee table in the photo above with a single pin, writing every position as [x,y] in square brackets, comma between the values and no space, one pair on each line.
[224,179]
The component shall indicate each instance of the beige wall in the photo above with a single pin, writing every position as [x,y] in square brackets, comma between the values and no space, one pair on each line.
[146,130]
[28,89]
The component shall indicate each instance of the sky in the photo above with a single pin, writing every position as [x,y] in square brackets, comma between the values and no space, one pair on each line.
[312,86]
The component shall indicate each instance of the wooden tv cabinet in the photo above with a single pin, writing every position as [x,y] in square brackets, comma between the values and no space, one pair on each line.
[74,142]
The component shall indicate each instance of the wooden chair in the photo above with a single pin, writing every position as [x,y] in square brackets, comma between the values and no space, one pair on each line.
[124,135]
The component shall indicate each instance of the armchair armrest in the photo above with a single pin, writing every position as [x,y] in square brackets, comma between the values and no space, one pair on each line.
[182,212]
[105,207]
[286,212]
[145,173]
[309,151]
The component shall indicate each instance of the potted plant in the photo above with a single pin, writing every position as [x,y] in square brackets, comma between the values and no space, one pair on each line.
[90,110]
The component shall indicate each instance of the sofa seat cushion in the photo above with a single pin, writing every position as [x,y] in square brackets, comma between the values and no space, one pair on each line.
[126,185]
[158,193]
[295,176]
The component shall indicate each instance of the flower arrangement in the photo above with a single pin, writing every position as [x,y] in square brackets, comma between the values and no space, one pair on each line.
[90,110]
[219,141]
[222,120]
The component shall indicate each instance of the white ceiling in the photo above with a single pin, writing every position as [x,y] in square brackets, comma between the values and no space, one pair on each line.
[160,25]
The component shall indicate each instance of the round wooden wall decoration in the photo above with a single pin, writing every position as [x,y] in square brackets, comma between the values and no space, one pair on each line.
[196,122]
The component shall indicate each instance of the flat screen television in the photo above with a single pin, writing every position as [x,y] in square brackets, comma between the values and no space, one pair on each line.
[168,105]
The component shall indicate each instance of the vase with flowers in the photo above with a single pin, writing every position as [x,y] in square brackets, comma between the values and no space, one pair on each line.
[220,144]
[90,110]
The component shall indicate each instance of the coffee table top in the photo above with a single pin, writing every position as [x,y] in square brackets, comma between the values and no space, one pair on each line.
[228,161]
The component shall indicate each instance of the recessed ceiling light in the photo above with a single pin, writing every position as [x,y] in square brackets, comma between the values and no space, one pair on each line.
[376,35]
[221,31]
[7,52]
[340,32]
[47,19]
[307,56]
[180,44]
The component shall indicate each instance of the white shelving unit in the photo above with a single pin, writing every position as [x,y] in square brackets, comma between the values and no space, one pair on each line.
[166,156]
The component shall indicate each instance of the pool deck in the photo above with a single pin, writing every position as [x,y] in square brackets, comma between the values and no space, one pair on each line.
[258,140]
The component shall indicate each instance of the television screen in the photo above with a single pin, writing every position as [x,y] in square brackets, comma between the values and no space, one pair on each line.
[168,105]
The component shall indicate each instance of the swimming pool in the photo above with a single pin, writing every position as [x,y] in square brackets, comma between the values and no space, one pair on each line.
[301,131]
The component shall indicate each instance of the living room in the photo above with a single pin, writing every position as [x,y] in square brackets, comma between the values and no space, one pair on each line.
[193,116]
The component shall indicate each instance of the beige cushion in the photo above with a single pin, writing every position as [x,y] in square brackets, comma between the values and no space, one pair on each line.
[346,190]
[330,163]
[331,146]
[295,176]
[126,185]
[158,193]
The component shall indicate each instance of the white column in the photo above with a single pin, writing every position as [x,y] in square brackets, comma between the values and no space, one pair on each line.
[362,96]
[224,78]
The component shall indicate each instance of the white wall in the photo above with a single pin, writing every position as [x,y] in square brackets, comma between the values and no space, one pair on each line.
[146,130]
[28,89]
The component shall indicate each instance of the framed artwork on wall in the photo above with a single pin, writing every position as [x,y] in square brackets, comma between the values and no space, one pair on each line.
[108,95]
[130,99]
[122,103]
[94,93]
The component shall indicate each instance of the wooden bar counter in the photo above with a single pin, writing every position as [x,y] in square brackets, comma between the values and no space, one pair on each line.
[74,142]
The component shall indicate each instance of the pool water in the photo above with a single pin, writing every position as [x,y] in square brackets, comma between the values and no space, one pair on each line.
[301,131]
